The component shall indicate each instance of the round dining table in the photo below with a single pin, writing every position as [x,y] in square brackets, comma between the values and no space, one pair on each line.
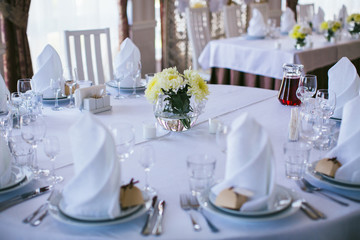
[170,178]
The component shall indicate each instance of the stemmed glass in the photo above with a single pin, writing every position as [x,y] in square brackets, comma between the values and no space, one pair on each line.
[52,149]
[221,136]
[135,72]
[146,158]
[55,85]
[119,76]
[306,89]
[33,134]
[326,103]
[16,101]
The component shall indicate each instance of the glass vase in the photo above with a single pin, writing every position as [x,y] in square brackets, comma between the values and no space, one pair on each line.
[300,43]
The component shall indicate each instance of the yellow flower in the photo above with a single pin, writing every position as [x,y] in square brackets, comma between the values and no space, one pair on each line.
[324,26]
[198,5]
[152,91]
[198,87]
[357,18]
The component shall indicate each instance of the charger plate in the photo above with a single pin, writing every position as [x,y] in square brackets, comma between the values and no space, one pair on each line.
[141,85]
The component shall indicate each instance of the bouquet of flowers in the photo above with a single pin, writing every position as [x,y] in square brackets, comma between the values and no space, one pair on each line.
[354,22]
[299,32]
[177,90]
[330,27]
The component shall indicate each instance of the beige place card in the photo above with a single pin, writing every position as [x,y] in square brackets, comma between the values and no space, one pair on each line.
[328,166]
[130,195]
[233,198]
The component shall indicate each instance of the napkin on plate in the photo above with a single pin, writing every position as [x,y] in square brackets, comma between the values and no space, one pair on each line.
[257,27]
[345,82]
[347,148]
[48,66]
[129,52]
[343,14]
[318,18]
[94,190]
[93,91]
[250,163]
[4,94]
[5,163]
[287,21]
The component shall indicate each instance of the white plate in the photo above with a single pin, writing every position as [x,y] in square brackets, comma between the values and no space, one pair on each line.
[17,176]
[22,179]
[282,201]
[141,85]
[333,182]
[125,216]
[52,100]
[248,37]
[289,210]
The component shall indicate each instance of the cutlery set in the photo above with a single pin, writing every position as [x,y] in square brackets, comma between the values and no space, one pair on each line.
[153,223]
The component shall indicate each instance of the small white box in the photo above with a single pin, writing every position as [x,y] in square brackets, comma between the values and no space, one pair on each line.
[89,104]
[99,102]
[106,100]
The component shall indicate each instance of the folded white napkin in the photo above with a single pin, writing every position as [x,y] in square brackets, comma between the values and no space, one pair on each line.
[287,20]
[94,190]
[345,82]
[93,91]
[257,26]
[250,162]
[5,163]
[318,18]
[48,66]
[343,14]
[347,149]
[129,52]
[4,94]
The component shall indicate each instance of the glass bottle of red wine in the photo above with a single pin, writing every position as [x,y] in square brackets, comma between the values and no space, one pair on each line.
[289,84]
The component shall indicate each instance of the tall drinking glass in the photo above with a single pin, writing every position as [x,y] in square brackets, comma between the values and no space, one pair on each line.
[326,103]
[52,149]
[16,101]
[55,85]
[24,85]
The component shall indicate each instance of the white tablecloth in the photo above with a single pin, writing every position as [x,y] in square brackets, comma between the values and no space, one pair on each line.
[260,57]
[169,176]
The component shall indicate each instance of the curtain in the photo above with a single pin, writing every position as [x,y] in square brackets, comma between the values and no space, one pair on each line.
[17,59]
[123,21]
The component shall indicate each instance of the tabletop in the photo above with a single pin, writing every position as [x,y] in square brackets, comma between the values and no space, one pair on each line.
[266,56]
[169,176]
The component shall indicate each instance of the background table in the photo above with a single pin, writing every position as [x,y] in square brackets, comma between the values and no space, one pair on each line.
[258,63]
[169,176]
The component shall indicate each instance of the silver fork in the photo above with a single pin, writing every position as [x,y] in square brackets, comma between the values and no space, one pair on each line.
[29,218]
[305,187]
[194,203]
[184,203]
[53,200]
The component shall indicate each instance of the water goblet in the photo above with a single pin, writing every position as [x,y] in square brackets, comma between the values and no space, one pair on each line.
[55,85]
[306,89]
[52,149]
[71,84]
[16,101]
[6,124]
[119,77]
[326,103]
[134,72]
[146,158]
[221,136]
[34,133]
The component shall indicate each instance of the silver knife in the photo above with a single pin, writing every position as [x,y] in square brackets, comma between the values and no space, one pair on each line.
[157,230]
[314,210]
[23,197]
[147,227]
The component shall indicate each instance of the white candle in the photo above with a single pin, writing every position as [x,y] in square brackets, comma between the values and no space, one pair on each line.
[277,45]
[213,125]
[149,130]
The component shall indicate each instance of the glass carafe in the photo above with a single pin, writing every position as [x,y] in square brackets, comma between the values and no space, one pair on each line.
[289,84]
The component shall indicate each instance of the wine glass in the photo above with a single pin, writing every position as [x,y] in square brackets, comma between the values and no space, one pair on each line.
[135,72]
[306,89]
[221,136]
[326,103]
[119,77]
[33,134]
[55,85]
[16,101]
[146,158]
[52,149]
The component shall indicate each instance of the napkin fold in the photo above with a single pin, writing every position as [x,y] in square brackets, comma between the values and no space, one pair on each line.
[129,52]
[318,18]
[345,82]
[347,149]
[87,92]
[5,163]
[287,20]
[343,14]
[94,190]
[257,26]
[4,94]
[250,163]
[48,67]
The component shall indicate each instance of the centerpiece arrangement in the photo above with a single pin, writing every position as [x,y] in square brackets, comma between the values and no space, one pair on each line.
[330,28]
[354,24]
[299,33]
[178,98]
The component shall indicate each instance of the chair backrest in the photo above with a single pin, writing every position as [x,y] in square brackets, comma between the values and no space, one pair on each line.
[198,29]
[85,51]
[263,8]
[305,12]
[232,20]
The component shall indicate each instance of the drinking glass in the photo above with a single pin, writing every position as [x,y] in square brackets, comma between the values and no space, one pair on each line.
[6,124]
[119,77]
[21,151]
[52,149]
[306,89]
[146,158]
[71,84]
[201,168]
[326,103]
[135,72]
[124,137]
[16,101]
[55,85]
[308,126]
[221,136]
[296,157]
[24,85]
[33,134]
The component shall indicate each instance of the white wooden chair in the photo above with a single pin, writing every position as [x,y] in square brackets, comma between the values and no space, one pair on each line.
[90,52]
[262,7]
[232,20]
[305,12]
